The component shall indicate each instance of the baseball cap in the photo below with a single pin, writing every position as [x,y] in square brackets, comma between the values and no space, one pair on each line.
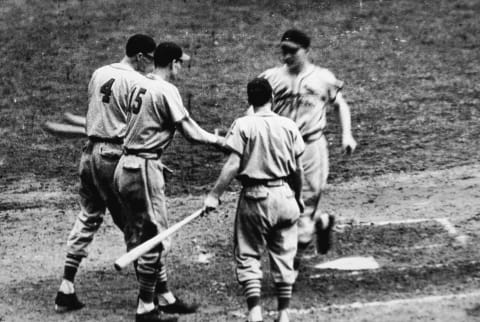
[259,91]
[295,38]
[167,52]
[139,43]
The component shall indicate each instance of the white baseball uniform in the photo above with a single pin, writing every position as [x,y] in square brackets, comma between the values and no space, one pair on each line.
[155,107]
[105,126]
[267,212]
[304,99]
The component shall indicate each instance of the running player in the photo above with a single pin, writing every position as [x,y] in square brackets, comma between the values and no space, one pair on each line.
[302,92]
[105,127]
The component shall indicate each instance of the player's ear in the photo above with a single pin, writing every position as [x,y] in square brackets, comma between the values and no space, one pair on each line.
[138,57]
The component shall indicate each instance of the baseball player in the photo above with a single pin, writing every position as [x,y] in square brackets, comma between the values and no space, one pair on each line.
[302,91]
[105,127]
[155,112]
[265,158]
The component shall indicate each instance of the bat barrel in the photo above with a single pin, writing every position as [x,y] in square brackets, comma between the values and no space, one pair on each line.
[143,248]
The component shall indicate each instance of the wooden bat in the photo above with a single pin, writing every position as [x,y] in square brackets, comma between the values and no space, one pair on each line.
[74,119]
[141,249]
[65,130]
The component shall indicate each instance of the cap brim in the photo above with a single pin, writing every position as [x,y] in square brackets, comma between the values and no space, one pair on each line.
[289,44]
[185,57]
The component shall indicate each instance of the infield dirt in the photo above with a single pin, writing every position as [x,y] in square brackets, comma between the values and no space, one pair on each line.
[35,226]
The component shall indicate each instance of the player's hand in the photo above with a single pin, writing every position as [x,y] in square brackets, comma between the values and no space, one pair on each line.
[210,203]
[220,142]
[348,144]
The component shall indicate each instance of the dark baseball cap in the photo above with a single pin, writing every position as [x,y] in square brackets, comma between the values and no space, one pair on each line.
[166,52]
[139,44]
[295,38]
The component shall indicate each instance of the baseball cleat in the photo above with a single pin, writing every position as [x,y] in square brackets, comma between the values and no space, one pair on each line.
[67,302]
[153,316]
[324,235]
[179,307]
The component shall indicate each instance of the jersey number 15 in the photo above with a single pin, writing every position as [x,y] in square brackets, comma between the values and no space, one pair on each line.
[135,102]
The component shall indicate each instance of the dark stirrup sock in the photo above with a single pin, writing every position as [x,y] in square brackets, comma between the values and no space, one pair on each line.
[72,262]
[284,294]
[147,287]
[251,291]
[161,287]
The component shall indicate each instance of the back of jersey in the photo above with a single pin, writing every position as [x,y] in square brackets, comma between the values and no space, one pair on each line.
[268,145]
[107,107]
[155,106]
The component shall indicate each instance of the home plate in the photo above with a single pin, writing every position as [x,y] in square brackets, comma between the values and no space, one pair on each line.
[353,263]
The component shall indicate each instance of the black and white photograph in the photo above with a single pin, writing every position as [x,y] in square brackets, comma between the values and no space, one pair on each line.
[232,161]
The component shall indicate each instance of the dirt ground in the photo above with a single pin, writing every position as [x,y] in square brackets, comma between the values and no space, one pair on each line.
[36,217]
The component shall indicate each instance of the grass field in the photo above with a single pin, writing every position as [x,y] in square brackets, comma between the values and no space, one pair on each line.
[412,79]
[410,67]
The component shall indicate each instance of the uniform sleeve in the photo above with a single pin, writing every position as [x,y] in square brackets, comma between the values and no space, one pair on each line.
[174,105]
[298,143]
[267,74]
[263,75]
[91,84]
[334,85]
[235,139]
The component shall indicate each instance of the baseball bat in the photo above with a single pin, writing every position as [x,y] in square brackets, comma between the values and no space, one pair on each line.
[65,130]
[141,249]
[74,119]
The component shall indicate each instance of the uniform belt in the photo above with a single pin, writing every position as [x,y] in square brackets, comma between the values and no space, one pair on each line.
[312,136]
[263,182]
[144,153]
[96,139]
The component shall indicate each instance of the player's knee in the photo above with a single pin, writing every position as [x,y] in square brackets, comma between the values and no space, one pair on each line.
[305,229]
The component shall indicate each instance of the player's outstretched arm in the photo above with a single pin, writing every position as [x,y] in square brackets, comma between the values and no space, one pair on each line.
[348,142]
[74,119]
[229,171]
[194,133]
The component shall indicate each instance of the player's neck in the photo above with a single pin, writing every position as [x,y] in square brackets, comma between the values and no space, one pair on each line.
[263,109]
[127,61]
[163,73]
[299,68]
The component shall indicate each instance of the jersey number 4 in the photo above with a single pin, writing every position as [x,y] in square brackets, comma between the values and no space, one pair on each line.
[136,103]
[106,90]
